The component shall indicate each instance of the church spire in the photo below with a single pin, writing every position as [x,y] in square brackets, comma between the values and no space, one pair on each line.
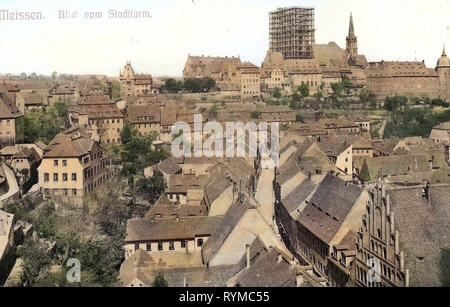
[351,30]
[443,51]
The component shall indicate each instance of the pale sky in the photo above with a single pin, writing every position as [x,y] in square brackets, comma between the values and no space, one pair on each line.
[386,29]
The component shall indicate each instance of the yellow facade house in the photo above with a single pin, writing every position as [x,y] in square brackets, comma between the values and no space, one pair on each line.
[72,167]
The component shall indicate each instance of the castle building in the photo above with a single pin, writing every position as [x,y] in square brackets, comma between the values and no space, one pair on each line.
[132,84]
[443,71]
[410,79]
[221,69]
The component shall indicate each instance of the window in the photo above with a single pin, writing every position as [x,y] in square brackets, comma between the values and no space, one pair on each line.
[55,162]
[183,243]
[74,176]
[46,177]
[66,192]
[149,247]
[65,177]
[64,162]
[136,246]
[171,245]
[47,192]
[74,192]
[160,246]
[199,242]
[55,177]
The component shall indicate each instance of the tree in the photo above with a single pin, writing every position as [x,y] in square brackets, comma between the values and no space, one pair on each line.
[127,133]
[54,75]
[159,281]
[365,174]
[299,118]
[296,97]
[304,90]
[276,92]
[212,113]
[23,76]
[44,125]
[394,103]
[36,257]
[136,152]
[173,86]
[152,188]
[207,84]
[256,115]
[367,97]
[116,91]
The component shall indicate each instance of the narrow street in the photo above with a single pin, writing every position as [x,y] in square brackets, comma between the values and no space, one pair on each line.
[12,184]
[264,194]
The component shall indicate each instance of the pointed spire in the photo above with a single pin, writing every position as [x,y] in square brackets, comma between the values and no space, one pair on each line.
[443,51]
[351,30]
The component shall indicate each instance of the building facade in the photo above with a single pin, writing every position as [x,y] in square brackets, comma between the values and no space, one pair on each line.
[72,167]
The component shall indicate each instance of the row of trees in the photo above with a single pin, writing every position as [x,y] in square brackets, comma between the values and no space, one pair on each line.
[190,85]
[414,122]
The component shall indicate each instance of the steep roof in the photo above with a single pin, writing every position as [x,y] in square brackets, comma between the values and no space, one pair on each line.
[424,230]
[399,69]
[329,206]
[224,229]
[171,229]
[169,166]
[397,165]
[142,114]
[68,147]
[268,271]
[180,183]
[294,199]
[8,108]
[175,210]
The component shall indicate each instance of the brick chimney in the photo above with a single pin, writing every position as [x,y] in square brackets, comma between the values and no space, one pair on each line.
[247,253]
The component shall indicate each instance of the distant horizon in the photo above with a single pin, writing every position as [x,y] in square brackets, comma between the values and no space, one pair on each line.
[161,44]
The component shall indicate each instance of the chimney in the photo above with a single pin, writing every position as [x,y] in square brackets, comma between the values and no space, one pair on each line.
[247,252]
[299,279]
[280,258]
[184,282]
[447,154]
[402,261]
[392,222]
[407,278]
[396,242]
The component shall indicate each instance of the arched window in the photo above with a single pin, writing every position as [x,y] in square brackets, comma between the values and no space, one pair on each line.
[378,222]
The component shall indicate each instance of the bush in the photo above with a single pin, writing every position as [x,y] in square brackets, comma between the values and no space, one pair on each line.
[276,93]
[256,115]
[160,281]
